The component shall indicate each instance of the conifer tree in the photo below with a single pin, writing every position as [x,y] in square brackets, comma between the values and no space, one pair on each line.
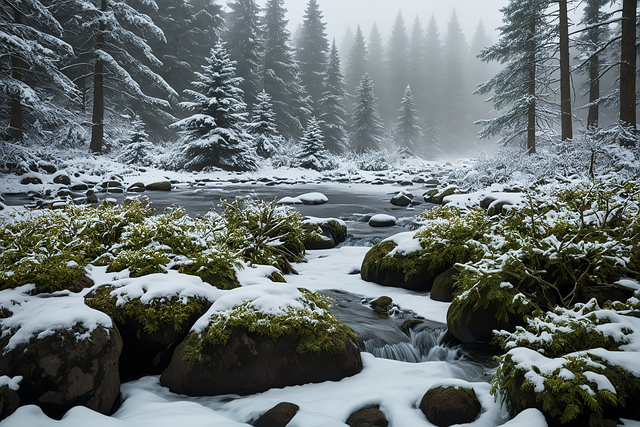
[332,111]
[312,152]
[345,44]
[215,134]
[266,137]
[477,106]
[417,64]
[367,129]
[356,66]
[376,63]
[312,52]
[137,149]
[518,90]
[456,125]
[242,37]
[31,51]
[280,73]
[433,86]
[408,132]
[397,66]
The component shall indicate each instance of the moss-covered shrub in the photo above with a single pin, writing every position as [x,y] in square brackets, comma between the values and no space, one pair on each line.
[315,328]
[567,363]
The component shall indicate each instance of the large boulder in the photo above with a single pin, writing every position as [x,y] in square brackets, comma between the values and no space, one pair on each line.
[443,286]
[252,340]
[477,324]
[152,322]
[398,269]
[447,405]
[159,186]
[67,368]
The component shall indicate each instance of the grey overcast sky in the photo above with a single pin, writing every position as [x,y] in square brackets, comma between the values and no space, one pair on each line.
[340,13]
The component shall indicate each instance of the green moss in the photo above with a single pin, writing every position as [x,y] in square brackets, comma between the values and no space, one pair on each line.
[276,277]
[214,267]
[382,305]
[140,262]
[169,312]
[314,327]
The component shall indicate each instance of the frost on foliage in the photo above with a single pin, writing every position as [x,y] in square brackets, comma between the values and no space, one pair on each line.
[572,363]
[271,311]
[215,135]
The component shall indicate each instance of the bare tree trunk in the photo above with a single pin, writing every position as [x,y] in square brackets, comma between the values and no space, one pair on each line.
[97,130]
[628,65]
[593,117]
[531,126]
[15,126]
[565,75]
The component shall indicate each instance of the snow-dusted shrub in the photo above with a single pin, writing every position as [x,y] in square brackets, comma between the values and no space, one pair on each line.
[573,364]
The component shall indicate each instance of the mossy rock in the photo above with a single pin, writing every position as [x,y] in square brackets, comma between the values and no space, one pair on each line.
[337,229]
[477,324]
[148,330]
[445,406]
[409,271]
[443,286]
[382,305]
[60,371]
[276,277]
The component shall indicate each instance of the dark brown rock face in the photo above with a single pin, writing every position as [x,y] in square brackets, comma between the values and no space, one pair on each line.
[368,417]
[442,289]
[278,416]
[60,372]
[445,406]
[250,363]
[9,401]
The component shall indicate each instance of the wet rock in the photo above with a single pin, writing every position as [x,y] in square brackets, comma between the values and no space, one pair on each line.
[448,405]
[9,401]
[469,326]
[81,186]
[382,305]
[31,179]
[47,167]
[60,371]
[136,187]
[442,289]
[401,199]
[62,178]
[159,186]
[249,363]
[438,198]
[418,180]
[368,417]
[278,416]
[382,220]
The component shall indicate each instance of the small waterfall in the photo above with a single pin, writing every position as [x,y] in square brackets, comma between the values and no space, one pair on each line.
[424,346]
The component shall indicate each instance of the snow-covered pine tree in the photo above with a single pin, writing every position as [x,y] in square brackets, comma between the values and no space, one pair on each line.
[137,149]
[332,111]
[408,132]
[110,42]
[312,52]
[215,135]
[367,129]
[525,46]
[243,40]
[397,68]
[30,52]
[266,138]
[280,73]
[312,152]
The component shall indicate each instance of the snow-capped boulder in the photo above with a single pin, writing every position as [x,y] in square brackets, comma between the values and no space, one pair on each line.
[367,417]
[313,198]
[449,404]
[401,199]
[256,338]
[62,178]
[31,178]
[382,220]
[278,416]
[323,233]
[154,314]
[397,262]
[136,187]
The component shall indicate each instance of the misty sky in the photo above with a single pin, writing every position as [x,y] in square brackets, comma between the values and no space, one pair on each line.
[340,13]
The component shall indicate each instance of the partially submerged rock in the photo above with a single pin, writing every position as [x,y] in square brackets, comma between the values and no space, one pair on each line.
[159,186]
[278,416]
[283,337]
[368,417]
[382,220]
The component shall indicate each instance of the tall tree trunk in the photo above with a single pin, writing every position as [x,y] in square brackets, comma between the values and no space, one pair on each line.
[97,130]
[565,75]
[593,117]
[17,64]
[628,65]
[531,114]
